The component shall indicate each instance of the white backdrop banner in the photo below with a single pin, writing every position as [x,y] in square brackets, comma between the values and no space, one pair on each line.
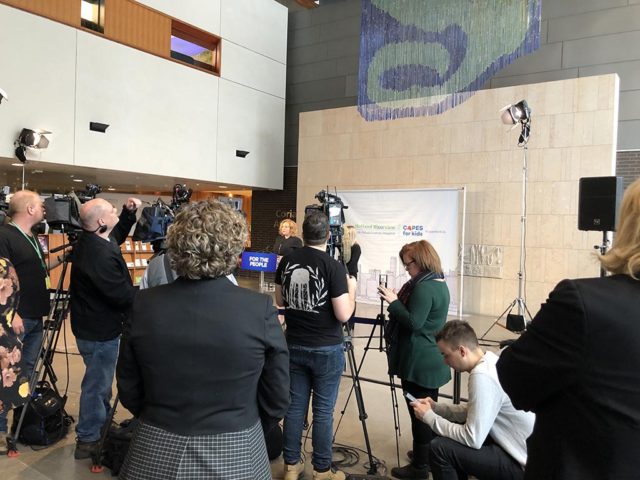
[387,219]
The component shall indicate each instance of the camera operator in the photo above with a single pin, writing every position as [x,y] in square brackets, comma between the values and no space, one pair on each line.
[101,295]
[21,247]
[319,297]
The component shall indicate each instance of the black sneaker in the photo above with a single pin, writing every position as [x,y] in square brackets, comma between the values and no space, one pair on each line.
[410,472]
[84,449]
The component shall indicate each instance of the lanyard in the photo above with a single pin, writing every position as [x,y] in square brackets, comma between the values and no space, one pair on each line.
[32,241]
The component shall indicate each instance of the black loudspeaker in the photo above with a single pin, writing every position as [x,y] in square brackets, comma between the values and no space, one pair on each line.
[599,203]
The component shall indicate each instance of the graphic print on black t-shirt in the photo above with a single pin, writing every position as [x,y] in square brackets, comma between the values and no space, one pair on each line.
[306,290]
[310,279]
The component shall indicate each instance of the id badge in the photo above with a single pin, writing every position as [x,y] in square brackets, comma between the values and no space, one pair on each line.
[48,282]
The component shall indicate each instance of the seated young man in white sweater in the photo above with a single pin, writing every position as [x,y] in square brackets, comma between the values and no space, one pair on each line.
[486,437]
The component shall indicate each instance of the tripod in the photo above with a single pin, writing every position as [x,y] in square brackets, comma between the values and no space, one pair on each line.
[517,323]
[43,367]
[356,388]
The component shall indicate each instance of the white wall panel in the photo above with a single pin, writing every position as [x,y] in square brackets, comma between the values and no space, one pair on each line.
[37,64]
[162,115]
[202,14]
[253,121]
[252,69]
[259,25]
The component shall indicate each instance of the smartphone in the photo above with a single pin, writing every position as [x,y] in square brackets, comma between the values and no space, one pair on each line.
[410,397]
[382,281]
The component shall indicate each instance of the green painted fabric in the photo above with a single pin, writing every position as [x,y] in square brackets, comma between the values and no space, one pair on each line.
[416,356]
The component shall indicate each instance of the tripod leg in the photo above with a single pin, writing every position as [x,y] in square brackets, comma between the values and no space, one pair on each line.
[508,309]
[373,467]
[96,456]
[396,415]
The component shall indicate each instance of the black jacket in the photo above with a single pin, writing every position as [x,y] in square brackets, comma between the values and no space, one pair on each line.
[101,287]
[201,357]
[284,246]
[577,367]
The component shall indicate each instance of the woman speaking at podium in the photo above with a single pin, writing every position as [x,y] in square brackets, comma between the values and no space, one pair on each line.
[287,240]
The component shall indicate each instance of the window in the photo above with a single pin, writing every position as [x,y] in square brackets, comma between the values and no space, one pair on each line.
[194,47]
[92,15]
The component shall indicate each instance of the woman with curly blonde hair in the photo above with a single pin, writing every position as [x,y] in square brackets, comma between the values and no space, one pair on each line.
[576,367]
[202,361]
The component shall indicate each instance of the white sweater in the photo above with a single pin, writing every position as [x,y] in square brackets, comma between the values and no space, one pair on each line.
[488,412]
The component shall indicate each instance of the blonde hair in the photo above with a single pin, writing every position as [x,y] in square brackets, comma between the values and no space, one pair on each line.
[624,256]
[293,227]
[206,240]
[348,240]
[423,253]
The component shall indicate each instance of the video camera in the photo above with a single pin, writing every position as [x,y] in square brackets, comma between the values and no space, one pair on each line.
[333,207]
[4,205]
[155,219]
[63,211]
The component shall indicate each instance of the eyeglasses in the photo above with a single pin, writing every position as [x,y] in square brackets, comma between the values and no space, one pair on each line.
[408,264]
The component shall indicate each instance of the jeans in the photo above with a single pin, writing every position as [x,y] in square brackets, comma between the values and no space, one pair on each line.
[318,369]
[451,460]
[31,342]
[100,363]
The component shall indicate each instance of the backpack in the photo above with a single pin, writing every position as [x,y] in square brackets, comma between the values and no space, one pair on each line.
[45,421]
[116,444]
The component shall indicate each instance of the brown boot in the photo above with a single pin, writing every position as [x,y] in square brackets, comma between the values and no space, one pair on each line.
[293,472]
[329,475]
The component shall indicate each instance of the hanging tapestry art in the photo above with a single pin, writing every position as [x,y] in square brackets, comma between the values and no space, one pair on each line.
[422,57]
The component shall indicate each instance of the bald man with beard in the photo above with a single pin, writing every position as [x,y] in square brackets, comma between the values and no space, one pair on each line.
[101,295]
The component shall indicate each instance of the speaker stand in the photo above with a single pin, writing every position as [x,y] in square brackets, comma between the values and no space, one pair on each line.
[603,247]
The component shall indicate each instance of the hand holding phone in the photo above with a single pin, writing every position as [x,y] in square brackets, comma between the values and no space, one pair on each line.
[410,397]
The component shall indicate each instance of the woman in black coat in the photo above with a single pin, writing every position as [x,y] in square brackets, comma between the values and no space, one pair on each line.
[202,361]
[577,367]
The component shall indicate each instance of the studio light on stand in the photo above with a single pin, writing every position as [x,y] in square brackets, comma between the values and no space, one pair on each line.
[32,139]
[518,114]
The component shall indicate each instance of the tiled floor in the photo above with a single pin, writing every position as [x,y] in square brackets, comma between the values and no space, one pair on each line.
[57,462]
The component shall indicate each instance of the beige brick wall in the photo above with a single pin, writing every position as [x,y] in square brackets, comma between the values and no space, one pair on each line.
[573,135]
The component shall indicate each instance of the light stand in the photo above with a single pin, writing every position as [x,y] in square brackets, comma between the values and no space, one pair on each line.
[514,114]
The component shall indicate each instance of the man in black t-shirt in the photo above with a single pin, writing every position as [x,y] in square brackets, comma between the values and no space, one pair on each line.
[319,297]
[21,246]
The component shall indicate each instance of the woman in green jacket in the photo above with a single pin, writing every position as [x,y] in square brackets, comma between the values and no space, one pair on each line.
[416,313]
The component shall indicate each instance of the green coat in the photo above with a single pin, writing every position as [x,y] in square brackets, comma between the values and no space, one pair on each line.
[416,357]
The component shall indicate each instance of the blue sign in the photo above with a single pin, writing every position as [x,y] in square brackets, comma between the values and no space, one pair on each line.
[259,262]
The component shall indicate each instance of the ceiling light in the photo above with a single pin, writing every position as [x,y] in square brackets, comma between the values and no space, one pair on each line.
[16,164]
[111,189]
[221,186]
[79,180]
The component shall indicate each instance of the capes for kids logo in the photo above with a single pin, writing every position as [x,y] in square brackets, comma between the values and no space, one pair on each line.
[413,230]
